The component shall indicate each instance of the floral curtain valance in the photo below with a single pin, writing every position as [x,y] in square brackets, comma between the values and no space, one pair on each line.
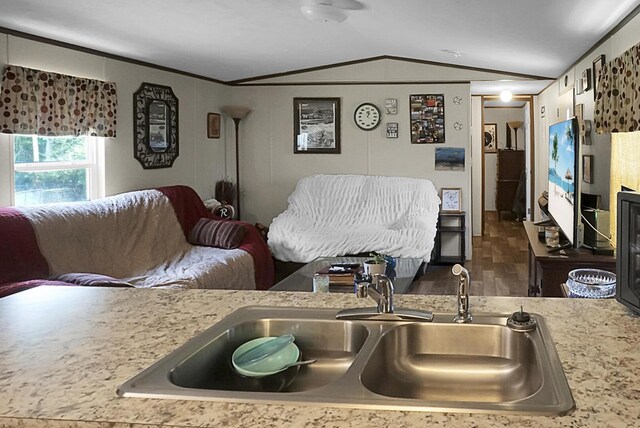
[45,103]
[617,106]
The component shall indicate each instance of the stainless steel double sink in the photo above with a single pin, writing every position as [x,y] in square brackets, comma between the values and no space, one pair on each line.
[483,366]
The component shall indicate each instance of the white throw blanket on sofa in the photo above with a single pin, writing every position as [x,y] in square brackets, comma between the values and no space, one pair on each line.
[134,236]
[332,215]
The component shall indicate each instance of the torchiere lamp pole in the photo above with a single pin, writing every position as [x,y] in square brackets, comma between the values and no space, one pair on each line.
[237,114]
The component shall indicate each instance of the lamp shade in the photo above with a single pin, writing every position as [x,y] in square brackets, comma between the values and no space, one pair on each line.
[515,124]
[236,112]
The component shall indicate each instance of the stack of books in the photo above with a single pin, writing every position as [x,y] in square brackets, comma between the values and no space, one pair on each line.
[341,273]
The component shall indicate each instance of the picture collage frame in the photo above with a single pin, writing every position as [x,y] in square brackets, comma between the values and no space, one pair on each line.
[427,118]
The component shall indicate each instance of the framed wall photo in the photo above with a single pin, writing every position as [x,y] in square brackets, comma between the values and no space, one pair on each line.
[316,125]
[451,200]
[213,125]
[490,137]
[155,126]
[598,63]
[427,118]
[586,80]
[587,168]
[391,106]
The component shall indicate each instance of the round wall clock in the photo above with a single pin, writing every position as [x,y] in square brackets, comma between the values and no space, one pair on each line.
[367,116]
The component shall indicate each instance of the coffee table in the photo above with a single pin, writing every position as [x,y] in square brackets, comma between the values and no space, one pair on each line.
[302,279]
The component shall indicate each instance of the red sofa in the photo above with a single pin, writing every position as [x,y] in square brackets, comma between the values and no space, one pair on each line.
[23,265]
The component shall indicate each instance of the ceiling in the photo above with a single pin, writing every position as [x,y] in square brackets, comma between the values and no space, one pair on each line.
[230,40]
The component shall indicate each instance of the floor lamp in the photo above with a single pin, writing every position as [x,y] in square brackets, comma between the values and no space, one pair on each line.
[237,114]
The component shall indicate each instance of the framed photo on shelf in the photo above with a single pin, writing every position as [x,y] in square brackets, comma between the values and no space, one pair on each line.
[490,137]
[213,125]
[598,63]
[427,118]
[316,125]
[451,200]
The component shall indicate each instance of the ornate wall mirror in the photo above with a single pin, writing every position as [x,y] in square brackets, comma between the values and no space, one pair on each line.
[155,126]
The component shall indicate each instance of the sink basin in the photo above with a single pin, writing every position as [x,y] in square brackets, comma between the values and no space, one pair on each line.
[483,366]
[333,343]
[454,362]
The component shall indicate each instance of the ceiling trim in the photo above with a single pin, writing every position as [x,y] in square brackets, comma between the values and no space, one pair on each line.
[373,82]
[507,107]
[244,81]
[78,48]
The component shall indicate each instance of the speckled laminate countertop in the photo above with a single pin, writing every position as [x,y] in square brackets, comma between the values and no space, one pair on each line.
[65,350]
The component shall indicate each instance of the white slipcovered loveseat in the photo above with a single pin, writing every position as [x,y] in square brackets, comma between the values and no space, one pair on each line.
[334,215]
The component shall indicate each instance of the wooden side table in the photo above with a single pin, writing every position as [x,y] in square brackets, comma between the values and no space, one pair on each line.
[446,228]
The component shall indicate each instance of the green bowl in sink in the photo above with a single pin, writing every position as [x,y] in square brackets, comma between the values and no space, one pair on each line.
[270,365]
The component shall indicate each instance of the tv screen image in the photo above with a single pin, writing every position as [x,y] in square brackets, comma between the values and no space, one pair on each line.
[563,147]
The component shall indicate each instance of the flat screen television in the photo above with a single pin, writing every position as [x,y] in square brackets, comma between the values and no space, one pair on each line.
[564,192]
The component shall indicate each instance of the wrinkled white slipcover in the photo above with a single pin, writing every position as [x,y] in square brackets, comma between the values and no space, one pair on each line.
[334,215]
[136,237]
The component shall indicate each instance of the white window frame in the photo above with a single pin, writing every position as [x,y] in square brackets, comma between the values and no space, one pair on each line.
[94,166]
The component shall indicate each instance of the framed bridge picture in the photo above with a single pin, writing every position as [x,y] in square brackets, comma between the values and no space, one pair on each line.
[316,125]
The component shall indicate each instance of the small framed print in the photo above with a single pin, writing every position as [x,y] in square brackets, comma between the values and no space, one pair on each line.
[586,80]
[391,106]
[451,200]
[598,63]
[213,125]
[587,168]
[490,137]
[392,130]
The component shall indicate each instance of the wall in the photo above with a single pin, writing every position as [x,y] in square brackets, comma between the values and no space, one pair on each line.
[201,161]
[560,107]
[270,169]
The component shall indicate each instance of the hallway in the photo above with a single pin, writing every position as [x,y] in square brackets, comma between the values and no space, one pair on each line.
[498,268]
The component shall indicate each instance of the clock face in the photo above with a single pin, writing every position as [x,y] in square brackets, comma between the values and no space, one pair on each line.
[367,116]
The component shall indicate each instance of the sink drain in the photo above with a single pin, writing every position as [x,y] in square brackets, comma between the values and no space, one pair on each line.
[521,321]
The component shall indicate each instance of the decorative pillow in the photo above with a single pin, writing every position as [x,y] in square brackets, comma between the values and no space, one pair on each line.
[216,233]
[91,280]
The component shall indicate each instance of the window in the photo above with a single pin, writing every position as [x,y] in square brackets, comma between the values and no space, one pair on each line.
[54,169]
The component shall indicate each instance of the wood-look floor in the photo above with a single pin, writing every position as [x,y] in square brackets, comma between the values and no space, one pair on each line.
[498,266]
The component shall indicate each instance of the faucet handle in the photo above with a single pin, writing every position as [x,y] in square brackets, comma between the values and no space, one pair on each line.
[362,289]
[457,269]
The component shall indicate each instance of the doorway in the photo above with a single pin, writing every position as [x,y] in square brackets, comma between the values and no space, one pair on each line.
[507,158]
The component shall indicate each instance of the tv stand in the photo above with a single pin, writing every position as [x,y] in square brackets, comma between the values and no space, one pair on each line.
[559,247]
[549,270]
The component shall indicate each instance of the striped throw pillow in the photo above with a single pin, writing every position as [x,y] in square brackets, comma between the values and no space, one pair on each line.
[216,233]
